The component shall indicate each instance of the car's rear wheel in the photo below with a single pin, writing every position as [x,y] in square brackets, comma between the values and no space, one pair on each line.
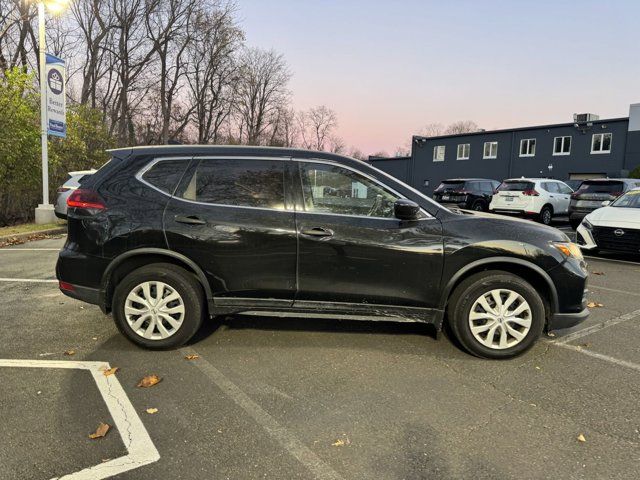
[546,215]
[496,314]
[158,306]
[479,206]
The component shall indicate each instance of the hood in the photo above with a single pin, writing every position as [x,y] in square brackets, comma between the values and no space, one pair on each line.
[615,217]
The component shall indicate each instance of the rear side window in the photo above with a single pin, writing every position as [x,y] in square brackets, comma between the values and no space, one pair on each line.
[473,187]
[602,186]
[235,182]
[450,186]
[165,174]
[516,186]
[551,187]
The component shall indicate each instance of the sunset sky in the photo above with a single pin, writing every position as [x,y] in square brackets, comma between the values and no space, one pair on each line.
[390,67]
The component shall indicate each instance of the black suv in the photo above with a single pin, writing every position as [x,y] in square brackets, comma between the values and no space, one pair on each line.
[467,193]
[166,236]
[592,193]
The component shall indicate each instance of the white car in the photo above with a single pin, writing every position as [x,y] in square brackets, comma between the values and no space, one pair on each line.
[615,227]
[71,184]
[541,198]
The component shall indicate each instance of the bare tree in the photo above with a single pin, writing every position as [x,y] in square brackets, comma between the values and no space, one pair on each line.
[462,126]
[261,93]
[316,126]
[337,145]
[432,130]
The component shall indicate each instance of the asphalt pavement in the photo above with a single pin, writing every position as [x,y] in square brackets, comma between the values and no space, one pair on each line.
[299,398]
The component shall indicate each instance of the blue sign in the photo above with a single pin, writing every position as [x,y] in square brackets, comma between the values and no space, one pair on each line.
[56,97]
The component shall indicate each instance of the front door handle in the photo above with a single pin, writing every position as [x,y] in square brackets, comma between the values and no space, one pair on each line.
[317,232]
[189,219]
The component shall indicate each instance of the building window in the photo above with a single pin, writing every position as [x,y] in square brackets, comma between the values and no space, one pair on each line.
[490,150]
[528,147]
[562,145]
[438,153]
[464,149]
[601,143]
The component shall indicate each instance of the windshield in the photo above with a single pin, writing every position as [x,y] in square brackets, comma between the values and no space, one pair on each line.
[628,200]
[516,186]
[450,186]
[602,186]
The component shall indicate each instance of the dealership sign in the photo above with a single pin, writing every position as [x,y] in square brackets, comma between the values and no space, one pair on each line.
[56,104]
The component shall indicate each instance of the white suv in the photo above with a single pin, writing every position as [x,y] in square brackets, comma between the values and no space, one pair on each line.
[538,197]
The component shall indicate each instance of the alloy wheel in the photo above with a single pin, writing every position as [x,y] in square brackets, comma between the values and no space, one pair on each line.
[500,319]
[154,310]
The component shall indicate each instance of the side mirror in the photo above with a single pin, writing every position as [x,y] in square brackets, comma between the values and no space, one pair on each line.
[606,203]
[406,209]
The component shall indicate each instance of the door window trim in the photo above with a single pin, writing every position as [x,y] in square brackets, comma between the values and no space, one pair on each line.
[359,172]
[151,164]
[218,157]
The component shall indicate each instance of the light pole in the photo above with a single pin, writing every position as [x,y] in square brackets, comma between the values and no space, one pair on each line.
[44,212]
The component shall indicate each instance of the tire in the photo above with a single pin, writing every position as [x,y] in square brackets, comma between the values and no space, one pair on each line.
[546,215]
[479,206]
[574,223]
[530,322]
[185,309]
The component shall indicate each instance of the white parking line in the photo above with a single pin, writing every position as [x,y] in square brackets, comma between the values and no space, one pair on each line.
[613,260]
[600,356]
[614,290]
[596,328]
[141,450]
[285,438]
[31,280]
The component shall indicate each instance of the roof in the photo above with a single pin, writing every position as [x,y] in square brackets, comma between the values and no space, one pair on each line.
[235,150]
[518,129]
[468,180]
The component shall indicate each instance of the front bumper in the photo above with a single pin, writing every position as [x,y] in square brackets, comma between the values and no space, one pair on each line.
[558,321]
[585,238]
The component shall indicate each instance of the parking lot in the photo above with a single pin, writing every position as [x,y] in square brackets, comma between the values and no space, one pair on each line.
[291,398]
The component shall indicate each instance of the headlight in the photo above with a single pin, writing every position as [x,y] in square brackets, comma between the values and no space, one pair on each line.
[569,249]
[587,224]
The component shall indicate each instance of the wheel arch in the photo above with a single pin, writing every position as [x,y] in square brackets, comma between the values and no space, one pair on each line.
[124,264]
[530,272]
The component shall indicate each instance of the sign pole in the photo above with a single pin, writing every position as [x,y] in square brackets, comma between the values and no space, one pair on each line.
[44,212]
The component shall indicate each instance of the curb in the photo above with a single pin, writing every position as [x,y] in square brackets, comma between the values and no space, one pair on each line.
[25,236]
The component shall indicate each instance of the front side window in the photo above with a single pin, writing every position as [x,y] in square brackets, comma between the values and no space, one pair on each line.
[490,150]
[165,174]
[332,189]
[438,153]
[464,150]
[528,147]
[562,145]
[237,182]
[601,143]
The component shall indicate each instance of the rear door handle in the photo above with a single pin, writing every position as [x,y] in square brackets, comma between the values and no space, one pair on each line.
[317,232]
[189,219]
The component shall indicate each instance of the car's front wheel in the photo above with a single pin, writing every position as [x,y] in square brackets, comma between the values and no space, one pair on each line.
[546,215]
[158,306]
[495,314]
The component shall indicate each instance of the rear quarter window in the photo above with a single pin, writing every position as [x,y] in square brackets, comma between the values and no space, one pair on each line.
[165,174]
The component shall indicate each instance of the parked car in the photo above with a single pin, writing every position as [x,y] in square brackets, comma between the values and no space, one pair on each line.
[468,193]
[614,227]
[540,198]
[165,236]
[592,193]
[72,182]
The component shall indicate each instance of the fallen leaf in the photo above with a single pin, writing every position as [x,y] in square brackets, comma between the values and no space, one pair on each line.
[586,345]
[152,410]
[149,381]
[101,431]
[551,334]
[537,367]
[70,352]
[338,443]
[110,371]
[594,305]
[581,438]
[598,273]
[192,357]
[94,338]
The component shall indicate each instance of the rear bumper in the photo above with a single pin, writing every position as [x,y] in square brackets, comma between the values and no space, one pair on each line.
[85,294]
[558,321]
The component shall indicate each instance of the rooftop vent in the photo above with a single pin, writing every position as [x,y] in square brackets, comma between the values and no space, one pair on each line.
[585,117]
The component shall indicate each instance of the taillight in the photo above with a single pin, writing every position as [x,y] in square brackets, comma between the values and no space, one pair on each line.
[530,193]
[82,198]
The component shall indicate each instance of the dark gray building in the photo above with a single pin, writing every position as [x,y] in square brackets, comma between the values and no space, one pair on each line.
[586,148]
